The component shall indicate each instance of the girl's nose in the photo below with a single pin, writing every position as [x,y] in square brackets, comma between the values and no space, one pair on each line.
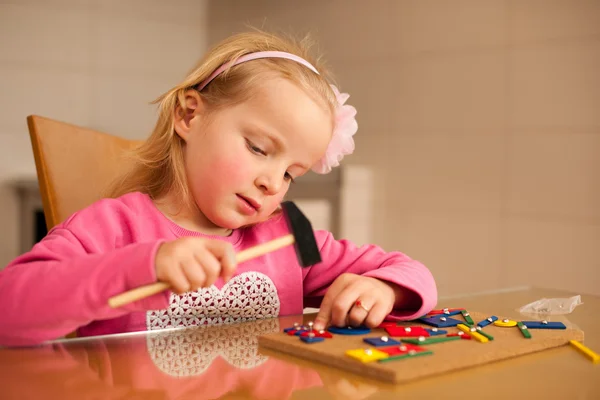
[270,183]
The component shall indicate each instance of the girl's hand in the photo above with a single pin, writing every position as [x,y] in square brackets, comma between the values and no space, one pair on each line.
[191,263]
[339,307]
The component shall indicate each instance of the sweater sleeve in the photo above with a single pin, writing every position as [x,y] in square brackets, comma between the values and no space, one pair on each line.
[61,285]
[342,256]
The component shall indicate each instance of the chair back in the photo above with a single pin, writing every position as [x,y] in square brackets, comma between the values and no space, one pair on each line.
[74,165]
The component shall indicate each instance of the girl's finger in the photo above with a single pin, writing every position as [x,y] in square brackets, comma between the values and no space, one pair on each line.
[361,309]
[342,306]
[194,274]
[377,314]
[324,317]
[210,265]
[224,253]
[178,280]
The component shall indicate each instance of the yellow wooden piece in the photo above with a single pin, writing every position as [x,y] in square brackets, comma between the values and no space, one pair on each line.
[509,323]
[367,355]
[474,334]
[595,358]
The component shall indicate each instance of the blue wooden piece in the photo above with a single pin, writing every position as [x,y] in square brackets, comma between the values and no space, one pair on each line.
[436,333]
[439,323]
[308,339]
[542,325]
[378,342]
[286,330]
[487,321]
[349,330]
[448,314]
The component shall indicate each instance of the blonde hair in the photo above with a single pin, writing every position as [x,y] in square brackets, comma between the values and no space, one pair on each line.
[158,164]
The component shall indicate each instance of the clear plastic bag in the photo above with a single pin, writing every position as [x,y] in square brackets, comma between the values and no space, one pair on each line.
[557,306]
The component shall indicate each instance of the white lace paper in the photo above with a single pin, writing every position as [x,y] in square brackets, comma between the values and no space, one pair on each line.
[248,296]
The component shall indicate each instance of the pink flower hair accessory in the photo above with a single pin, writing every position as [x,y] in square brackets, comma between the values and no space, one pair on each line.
[342,143]
[345,125]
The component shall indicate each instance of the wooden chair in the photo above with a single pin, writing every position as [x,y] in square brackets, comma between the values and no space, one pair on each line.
[74,165]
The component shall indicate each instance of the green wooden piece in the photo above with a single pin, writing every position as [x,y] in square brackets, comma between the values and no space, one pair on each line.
[431,340]
[467,317]
[487,335]
[523,328]
[403,356]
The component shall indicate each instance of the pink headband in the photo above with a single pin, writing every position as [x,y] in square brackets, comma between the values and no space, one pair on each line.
[255,56]
[345,123]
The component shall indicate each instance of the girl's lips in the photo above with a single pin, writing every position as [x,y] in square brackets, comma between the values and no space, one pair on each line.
[246,206]
[252,202]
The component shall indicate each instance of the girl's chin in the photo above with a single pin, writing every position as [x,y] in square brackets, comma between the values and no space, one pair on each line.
[233,222]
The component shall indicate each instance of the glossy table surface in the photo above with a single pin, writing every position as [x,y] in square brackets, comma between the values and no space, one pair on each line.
[225,362]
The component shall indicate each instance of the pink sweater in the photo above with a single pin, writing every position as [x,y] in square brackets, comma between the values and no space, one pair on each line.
[64,282]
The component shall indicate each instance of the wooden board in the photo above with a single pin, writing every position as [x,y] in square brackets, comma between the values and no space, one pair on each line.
[448,356]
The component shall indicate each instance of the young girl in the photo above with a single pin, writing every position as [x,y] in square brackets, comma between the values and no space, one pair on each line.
[252,116]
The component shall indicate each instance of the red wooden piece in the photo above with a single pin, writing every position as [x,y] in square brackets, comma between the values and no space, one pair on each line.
[463,335]
[410,331]
[323,334]
[402,349]
[438,312]
[386,324]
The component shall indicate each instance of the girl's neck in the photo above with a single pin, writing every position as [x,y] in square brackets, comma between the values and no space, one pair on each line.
[188,216]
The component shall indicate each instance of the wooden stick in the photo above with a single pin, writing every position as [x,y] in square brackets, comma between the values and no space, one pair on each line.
[154,288]
[264,248]
[595,358]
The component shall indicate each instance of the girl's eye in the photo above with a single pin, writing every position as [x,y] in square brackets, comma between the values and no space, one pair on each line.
[255,149]
[288,177]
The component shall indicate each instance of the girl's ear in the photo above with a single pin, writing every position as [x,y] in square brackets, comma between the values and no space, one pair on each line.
[182,117]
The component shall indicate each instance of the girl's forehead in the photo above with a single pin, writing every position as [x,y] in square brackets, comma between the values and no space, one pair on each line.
[286,104]
[286,100]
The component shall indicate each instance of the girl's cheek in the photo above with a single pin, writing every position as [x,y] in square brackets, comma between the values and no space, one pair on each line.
[233,168]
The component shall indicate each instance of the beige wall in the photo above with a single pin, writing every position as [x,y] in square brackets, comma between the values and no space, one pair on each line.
[96,63]
[481,120]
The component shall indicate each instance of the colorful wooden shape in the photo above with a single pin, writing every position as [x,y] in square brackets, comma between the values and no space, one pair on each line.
[293,328]
[402,349]
[311,339]
[446,311]
[322,334]
[436,332]
[297,332]
[544,325]
[405,356]
[487,321]
[441,314]
[386,324]
[467,317]
[440,321]
[366,355]
[483,333]
[505,323]
[431,340]
[474,334]
[349,330]
[594,357]
[382,341]
[523,328]
[461,334]
[406,331]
